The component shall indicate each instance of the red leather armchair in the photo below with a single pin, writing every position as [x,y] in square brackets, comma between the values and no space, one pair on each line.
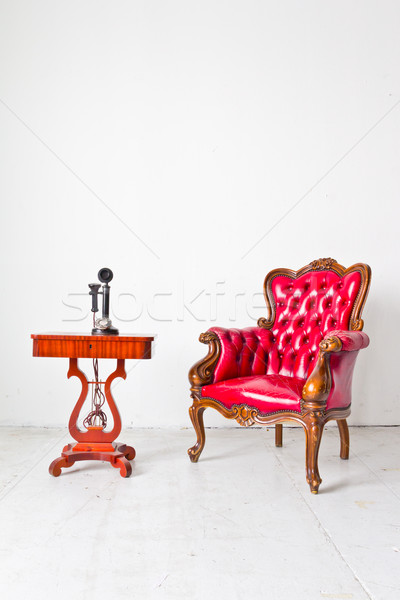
[296,365]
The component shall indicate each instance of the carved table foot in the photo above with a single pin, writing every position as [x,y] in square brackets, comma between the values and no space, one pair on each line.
[124,466]
[60,463]
[128,451]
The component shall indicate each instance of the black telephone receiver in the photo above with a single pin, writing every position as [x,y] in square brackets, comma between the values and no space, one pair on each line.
[103,325]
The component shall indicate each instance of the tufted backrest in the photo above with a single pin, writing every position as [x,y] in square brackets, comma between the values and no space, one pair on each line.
[306,309]
[304,306]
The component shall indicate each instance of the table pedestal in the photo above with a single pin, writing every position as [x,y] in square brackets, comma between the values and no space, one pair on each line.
[118,455]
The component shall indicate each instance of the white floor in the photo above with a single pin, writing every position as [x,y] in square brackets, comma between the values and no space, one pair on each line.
[241,524]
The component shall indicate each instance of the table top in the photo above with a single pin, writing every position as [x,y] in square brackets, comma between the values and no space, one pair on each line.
[82,345]
[122,337]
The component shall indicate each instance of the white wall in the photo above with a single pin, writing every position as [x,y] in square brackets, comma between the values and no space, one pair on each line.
[199,124]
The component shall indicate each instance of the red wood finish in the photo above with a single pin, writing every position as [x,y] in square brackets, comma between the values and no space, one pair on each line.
[95,443]
[95,434]
[118,455]
[92,346]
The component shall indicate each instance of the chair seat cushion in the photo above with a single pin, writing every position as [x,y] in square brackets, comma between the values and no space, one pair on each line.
[267,393]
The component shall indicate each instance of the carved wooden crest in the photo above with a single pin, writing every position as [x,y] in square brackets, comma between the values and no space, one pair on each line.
[322,264]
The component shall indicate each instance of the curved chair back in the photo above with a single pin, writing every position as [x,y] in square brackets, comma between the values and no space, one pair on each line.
[305,305]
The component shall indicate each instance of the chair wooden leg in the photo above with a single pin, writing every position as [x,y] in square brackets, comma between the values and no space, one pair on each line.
[196,415]
[344,438]
[278,435]
[313,430]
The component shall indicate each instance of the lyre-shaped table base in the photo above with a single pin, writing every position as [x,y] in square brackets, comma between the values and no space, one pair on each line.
[95,443]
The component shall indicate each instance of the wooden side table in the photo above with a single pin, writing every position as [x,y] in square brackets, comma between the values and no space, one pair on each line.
[95,443]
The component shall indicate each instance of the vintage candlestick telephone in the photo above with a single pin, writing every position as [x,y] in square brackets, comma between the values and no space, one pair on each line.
[103,325]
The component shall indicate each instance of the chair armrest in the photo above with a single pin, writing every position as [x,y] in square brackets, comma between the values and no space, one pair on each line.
[202,372]
[319,384]
[350,340]
[232,353]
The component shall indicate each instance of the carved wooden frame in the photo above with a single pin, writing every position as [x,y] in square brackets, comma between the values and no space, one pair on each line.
[313,415]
